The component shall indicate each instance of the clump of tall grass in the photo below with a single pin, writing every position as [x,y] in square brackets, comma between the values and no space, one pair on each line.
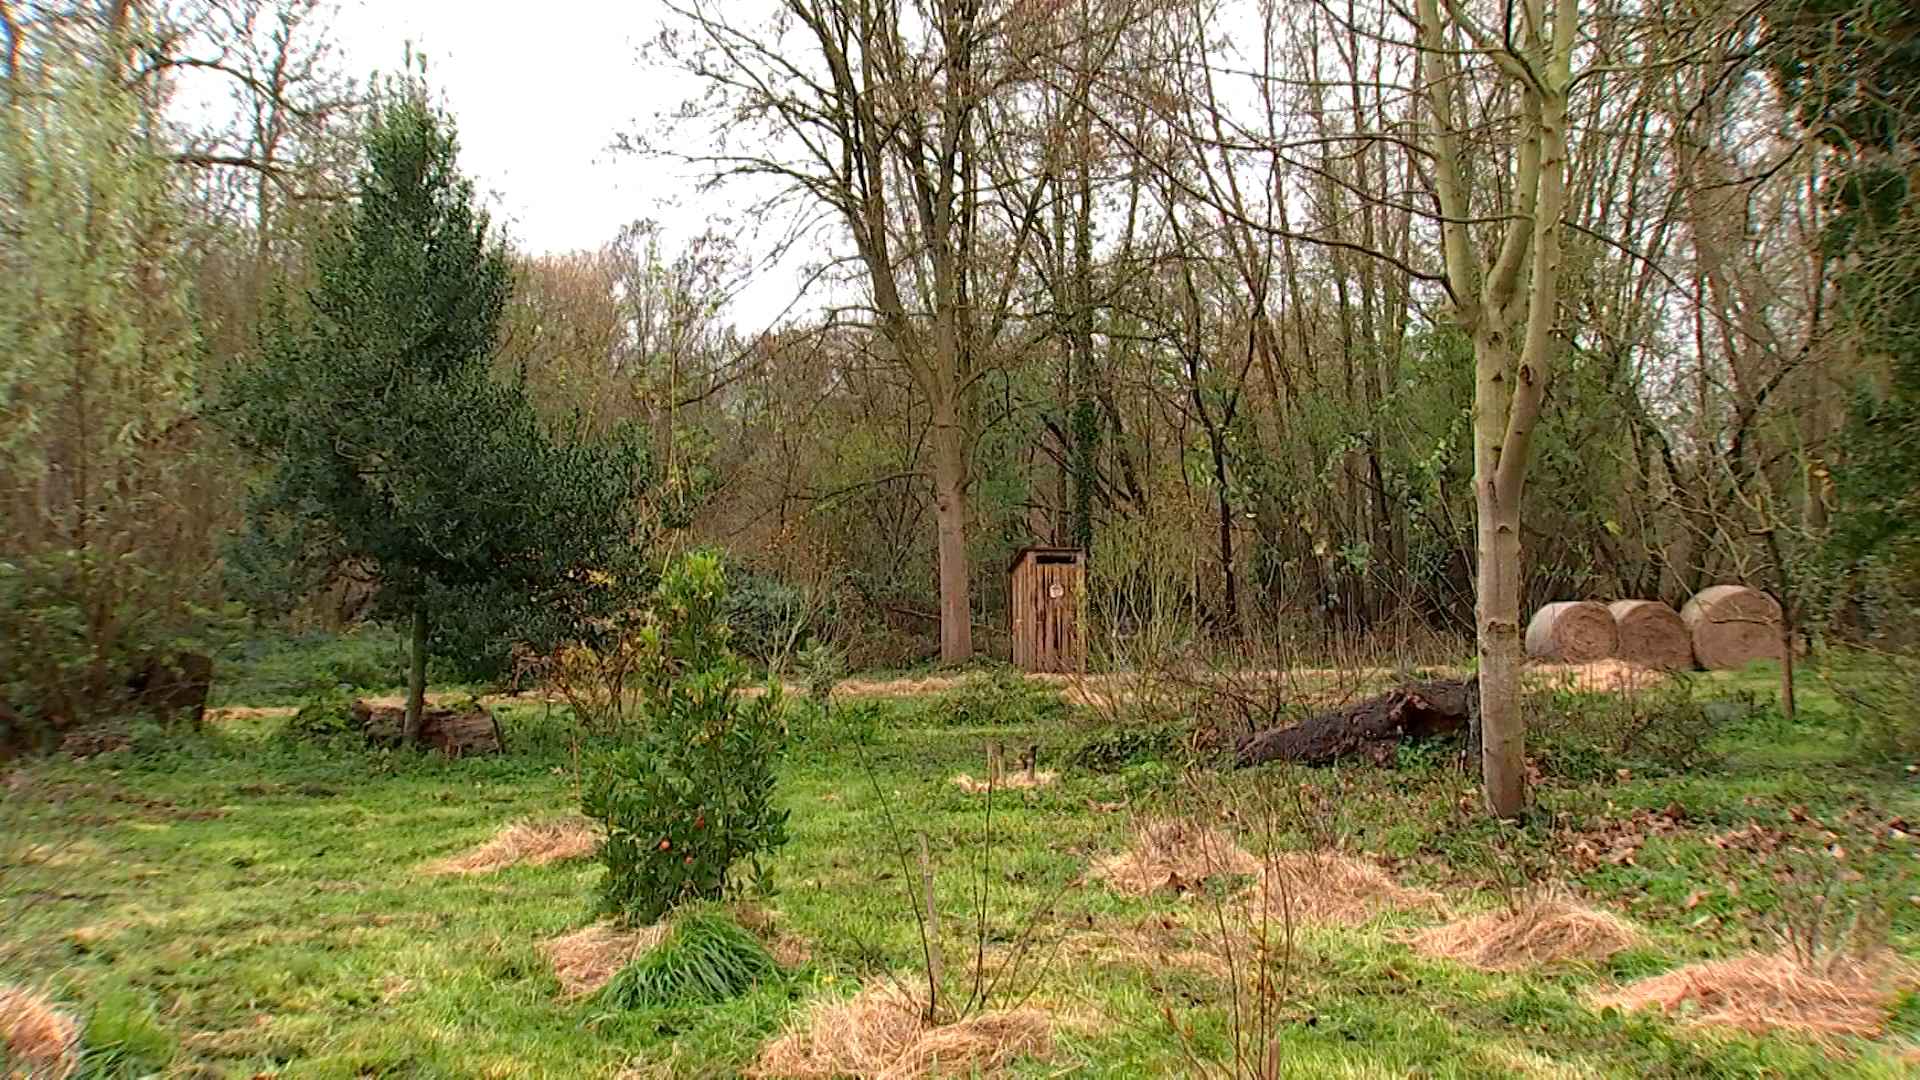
[704,958]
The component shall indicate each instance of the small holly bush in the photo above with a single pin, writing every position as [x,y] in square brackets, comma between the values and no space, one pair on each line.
[687,799]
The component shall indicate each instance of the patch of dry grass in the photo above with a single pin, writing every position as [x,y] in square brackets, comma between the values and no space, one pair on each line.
[1328,887]
[1174,856]
[587,959]
[524,843]
[1179,856]
[1597,676]
[37,1036]
[1843,996]
[1155,942]
[1018,780]
[789,950]
[1548,929]
[881,1033]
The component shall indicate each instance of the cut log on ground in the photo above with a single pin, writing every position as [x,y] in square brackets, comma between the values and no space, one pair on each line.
[171,685]
[455,732]
[1572,632]
[1370,728]
[1732,626]
[1652,634]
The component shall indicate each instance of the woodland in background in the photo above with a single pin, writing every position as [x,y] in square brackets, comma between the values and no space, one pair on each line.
[1157,279]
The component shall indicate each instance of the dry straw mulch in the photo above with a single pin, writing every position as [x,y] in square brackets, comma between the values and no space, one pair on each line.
[1599,677]
[1174,856]
[789,950]
[1544,931]
[587,959]
[881,1034]
[37,1037]
[1156,943]
[1014,781]
[1843,996]
[1327,887]
[524,843]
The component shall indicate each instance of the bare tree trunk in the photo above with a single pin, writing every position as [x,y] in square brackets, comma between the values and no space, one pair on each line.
[1497,598]
[950,523]
[416,679]
[1490,302]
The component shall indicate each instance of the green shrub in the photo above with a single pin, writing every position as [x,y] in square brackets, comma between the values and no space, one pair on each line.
[688,797]
[75,624]
[325,716]
[1114,747]
[1879,698]
[1662,729]
[769,619]
[1002,699]
[819,668]
[268,668]
[705,958]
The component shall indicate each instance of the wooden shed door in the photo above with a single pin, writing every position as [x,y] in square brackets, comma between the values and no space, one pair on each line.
[1056,606]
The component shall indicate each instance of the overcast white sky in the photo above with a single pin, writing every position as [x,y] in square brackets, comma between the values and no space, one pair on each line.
[539,92]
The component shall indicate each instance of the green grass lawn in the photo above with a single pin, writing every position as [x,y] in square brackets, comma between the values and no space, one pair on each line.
[237,904]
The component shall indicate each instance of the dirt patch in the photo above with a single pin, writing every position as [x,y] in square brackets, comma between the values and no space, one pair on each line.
[1013,781]
[1328,887]
[1174,856]
[1617,841]
[35,1034]
[1846,996]
[455,698]
[524,843]
[250,712]
[1544,931]
[882,1034]
[589,958]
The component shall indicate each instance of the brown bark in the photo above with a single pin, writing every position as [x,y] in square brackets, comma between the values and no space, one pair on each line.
[950,521]
[453,732]
[1371,728]
[416,678]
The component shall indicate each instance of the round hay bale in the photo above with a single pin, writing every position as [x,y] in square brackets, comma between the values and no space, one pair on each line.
[1572,631]
[1732,626]
[1652,634]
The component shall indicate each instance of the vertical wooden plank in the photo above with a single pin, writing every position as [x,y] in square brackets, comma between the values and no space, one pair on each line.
[1016,615]
[1022,614]
[1049,653]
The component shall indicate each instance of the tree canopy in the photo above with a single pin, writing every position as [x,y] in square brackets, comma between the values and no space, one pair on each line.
[390,444]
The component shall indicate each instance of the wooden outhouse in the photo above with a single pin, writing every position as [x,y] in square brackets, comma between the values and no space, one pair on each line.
[1046,601]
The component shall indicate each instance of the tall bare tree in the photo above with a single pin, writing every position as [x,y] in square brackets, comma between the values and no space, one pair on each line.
[1507,306]
[874,111]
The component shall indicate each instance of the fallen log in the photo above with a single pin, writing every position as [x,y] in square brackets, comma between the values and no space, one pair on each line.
[1371,727]
[452,731]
